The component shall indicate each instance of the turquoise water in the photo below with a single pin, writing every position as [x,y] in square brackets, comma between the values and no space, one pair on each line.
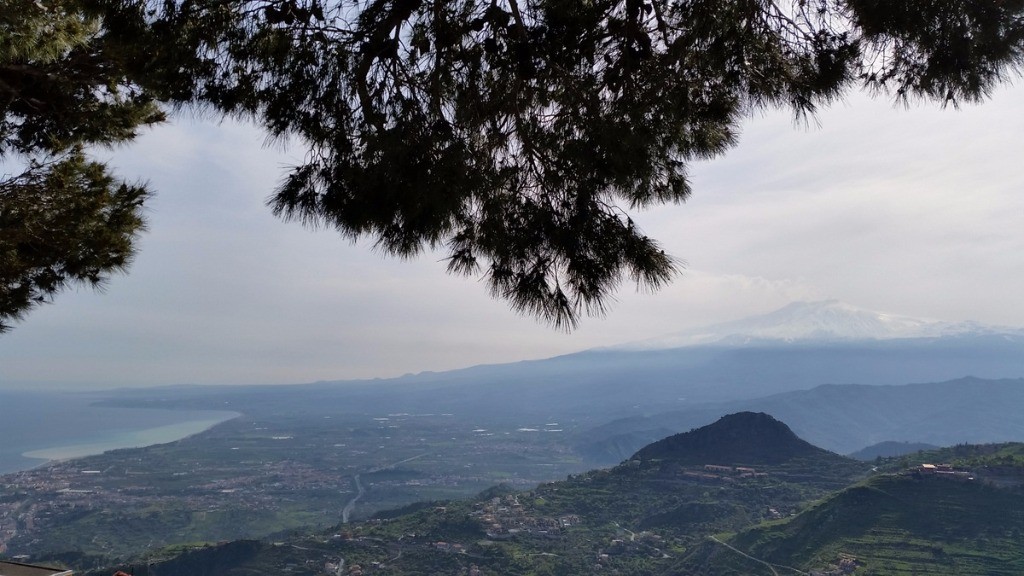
[36,427]
[131,439]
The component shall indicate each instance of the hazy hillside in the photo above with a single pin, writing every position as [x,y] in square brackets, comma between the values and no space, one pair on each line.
[890,449]
[797,348]
[847,418]
[895,525]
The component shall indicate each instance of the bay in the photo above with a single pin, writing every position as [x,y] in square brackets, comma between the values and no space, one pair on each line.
[36,427]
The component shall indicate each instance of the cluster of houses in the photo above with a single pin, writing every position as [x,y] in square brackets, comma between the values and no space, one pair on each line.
[994,474]
[718,473]
[505,517]
[944,471]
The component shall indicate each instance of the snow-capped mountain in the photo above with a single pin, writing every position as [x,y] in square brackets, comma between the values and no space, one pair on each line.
[828,320]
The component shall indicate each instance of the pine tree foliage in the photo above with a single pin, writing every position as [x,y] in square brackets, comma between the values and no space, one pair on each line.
[520,135]
[64,84]
[63,223]
[64,81]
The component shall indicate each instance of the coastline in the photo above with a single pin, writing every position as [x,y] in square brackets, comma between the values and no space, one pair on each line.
[128,439]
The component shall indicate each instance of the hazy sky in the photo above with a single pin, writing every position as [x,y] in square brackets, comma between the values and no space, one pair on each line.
[909,211]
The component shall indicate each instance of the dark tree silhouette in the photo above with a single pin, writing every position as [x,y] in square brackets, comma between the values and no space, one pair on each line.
[518,134]
[65,84]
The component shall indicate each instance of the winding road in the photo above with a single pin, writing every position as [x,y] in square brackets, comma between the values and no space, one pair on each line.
[758,560]
[347,510]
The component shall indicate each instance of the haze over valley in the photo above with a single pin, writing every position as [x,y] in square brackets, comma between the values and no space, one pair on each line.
[340,453]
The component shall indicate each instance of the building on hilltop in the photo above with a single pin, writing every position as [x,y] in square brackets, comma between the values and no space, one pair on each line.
[19,569]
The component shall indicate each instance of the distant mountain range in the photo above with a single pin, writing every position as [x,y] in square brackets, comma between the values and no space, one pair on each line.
[843,377]
[891,449]
[798,347]
[847,418]
[823,321]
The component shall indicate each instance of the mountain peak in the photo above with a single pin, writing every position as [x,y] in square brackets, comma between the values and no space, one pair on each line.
[753,438]
[825,320]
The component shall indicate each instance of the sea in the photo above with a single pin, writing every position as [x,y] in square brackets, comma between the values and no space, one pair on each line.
[40,426]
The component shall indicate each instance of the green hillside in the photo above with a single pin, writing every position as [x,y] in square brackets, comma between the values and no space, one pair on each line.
[989,460]
[890,449]
[641,517]
[791,509]
[908,523]
[752,440]
[743,438]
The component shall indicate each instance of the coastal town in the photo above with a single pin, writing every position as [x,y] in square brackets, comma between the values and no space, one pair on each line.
[245,477]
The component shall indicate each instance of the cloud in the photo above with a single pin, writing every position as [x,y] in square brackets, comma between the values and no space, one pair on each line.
[905,211]
[878,205]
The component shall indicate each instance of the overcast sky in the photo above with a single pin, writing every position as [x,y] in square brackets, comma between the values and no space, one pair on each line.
[908,211]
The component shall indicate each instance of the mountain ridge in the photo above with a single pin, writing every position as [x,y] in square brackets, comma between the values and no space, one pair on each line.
[849,417]
[752,438]
[822,321]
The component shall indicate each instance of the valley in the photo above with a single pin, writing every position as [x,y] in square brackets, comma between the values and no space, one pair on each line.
[251,477]
[722,458]
[747,512]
